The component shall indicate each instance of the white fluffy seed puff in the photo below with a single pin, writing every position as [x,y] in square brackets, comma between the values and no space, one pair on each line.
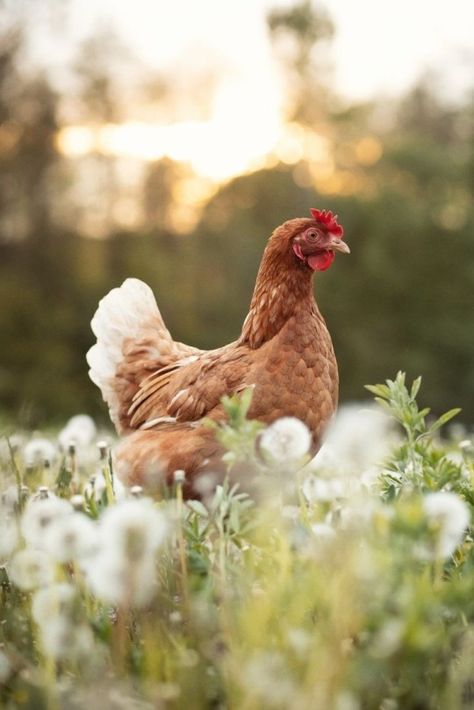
[80,430]
[449,517]
[133,529]
[30,569]
[39,515]
[56,610]
[71,537]
[123,571]
[38,451]
[286,440]
[56,600]
[8,535]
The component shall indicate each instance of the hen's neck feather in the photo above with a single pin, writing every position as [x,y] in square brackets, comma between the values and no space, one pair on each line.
[283,288]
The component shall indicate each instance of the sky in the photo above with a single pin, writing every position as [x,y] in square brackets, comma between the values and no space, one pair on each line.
[379,49]
[379,46]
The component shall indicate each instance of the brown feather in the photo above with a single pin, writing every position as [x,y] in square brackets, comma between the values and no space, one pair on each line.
[284,351]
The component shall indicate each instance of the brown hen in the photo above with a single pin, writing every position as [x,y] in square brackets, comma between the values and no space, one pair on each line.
[159,391]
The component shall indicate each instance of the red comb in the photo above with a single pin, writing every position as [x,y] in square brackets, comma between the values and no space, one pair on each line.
[329,220]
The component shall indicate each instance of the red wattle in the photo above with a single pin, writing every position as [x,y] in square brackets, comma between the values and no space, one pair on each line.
[321,261]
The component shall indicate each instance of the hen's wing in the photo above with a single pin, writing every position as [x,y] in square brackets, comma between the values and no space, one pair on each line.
[132,343]
[189,388]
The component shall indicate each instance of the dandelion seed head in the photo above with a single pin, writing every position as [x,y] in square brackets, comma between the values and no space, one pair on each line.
[37,451]
[357,440]
[39,514]
[71,537]
[450,516]
[179,476]
[42,493]
[290,512]
[133,528]
[323,532]
[266,677]
[346,700]
[323,489]
[116,581]
[8,536]
[56,600]
[79,430]
[62,640]
[286,440]
[30,569]
[9,499]
[205,484]
[77,501]
[123,571]
[300,640]
[388,639]
[357,513]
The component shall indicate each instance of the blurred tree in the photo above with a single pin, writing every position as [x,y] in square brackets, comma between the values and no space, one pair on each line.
[297,32]
[98,100]
[400,176]
[9,130]
[421,110]
[37,157]
[28,112]
[97,60]
[159,192]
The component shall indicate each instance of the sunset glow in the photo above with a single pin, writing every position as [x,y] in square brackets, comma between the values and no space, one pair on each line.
[217,151]
[238,136]
[245,128]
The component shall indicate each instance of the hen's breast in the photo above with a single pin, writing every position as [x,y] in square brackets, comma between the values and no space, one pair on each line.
[296,375]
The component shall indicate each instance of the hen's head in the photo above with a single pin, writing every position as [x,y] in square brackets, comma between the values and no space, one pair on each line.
[314,241]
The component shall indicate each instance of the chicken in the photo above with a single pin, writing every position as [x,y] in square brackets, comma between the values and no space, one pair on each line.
[159,391]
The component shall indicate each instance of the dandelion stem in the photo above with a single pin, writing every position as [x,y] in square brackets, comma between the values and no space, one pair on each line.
[181,543]
[120,645]
[301,497]
[16,471]
[50,672]
[109,489]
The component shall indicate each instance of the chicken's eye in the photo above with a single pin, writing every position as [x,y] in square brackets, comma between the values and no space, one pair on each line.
[312,234]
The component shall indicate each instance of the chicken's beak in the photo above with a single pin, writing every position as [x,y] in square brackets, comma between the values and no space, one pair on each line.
[338,245]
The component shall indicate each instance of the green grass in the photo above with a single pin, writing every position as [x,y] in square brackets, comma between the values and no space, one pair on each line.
[345,583]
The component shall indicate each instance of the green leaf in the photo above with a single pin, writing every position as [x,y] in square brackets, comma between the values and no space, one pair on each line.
[197,507]
[444,418]
[379,390]
[399,379]
[63,481]
[246,400]
[415,388]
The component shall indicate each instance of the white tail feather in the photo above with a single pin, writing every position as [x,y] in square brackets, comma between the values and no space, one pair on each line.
[122,314]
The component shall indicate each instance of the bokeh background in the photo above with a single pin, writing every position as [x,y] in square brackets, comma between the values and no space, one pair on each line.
[167,140]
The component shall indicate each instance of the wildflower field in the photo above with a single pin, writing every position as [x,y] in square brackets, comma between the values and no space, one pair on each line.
[341,583]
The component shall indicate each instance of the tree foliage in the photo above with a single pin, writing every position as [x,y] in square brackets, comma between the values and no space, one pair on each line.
[402,187]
